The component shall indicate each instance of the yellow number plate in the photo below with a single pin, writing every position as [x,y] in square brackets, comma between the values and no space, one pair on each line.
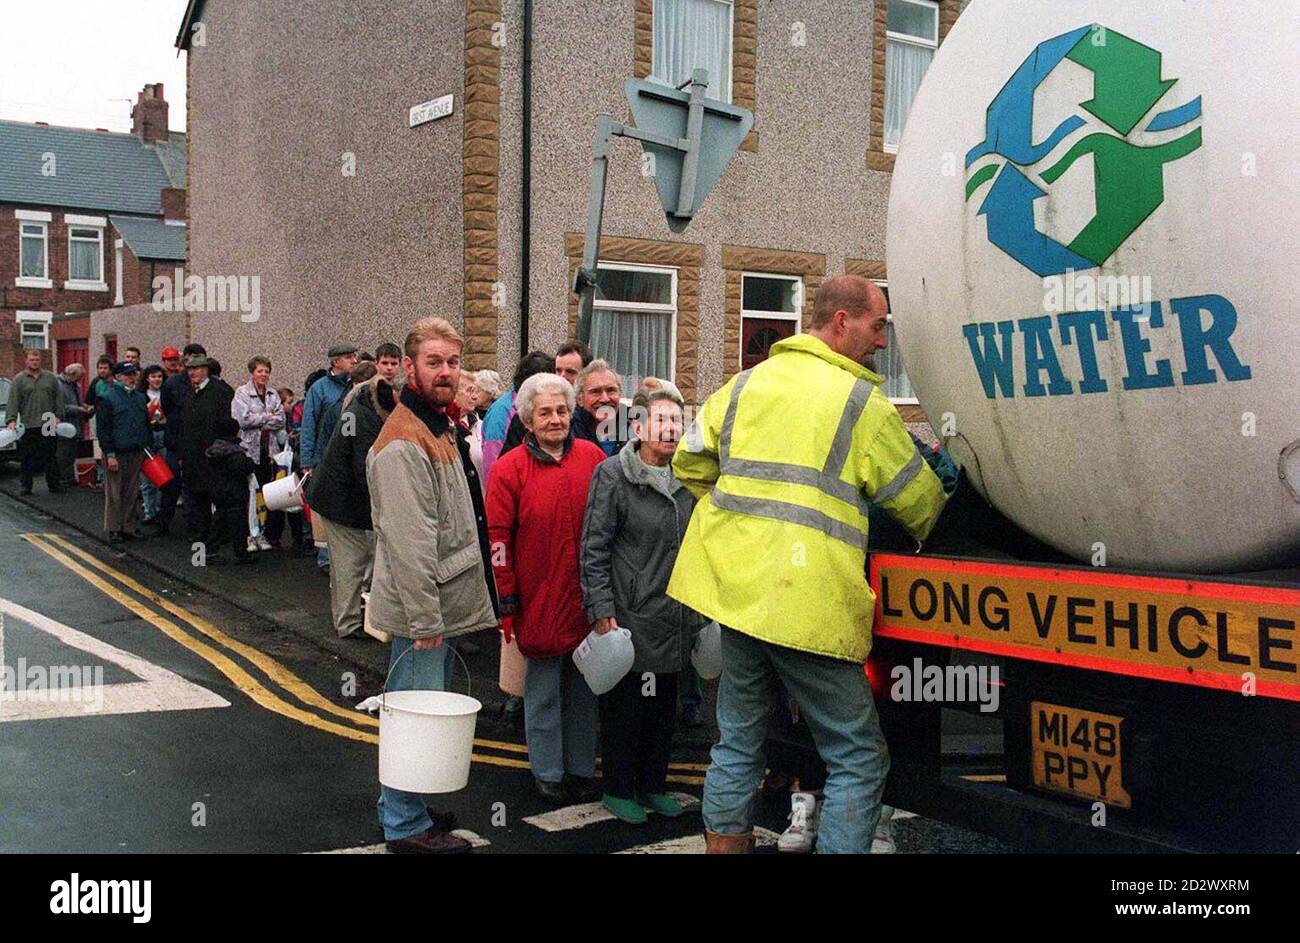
[1077,753]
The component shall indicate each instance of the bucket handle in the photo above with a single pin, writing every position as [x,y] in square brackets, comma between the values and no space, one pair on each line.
[469,680]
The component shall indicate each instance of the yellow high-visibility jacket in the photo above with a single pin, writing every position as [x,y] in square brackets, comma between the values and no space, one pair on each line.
[784,459]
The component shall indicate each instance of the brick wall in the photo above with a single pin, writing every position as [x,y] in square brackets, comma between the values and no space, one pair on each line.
[57,299]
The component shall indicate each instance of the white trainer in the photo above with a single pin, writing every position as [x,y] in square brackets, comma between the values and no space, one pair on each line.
[251,545]
[805,813]
[263,543]
[883,844]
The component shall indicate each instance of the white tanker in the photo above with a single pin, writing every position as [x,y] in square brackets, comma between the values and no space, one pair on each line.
[1092,251]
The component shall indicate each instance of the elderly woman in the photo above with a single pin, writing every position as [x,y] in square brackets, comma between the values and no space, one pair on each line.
[536,498]
[637,514]
[490,387]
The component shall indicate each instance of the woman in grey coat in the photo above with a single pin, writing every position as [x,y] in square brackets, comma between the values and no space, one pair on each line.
[637,513]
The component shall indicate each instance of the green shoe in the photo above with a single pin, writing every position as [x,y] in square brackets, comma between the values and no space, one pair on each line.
[662,803]
[625,809]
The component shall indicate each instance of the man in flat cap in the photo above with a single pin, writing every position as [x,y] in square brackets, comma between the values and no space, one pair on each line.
[122,422]
[207,406]
[323,394]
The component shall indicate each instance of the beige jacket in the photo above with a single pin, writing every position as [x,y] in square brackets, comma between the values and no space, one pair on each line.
[428,574]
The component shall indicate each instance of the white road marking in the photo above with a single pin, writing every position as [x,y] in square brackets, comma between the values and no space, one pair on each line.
[693,844]
[475,840]
[158,689]
[580,816]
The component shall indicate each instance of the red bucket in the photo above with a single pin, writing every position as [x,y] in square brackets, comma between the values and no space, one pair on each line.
[157,471]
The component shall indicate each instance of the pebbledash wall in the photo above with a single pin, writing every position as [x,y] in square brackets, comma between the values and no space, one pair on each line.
[430,223]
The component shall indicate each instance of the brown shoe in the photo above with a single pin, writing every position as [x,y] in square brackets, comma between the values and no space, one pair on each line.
[429,842]
[716,844]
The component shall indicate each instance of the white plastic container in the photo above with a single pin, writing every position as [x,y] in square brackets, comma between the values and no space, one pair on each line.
[366,627]
[425,740]
[283,494]
[706,653]
[605,659]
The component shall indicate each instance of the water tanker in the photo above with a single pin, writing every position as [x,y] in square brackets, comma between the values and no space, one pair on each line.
[1091,252]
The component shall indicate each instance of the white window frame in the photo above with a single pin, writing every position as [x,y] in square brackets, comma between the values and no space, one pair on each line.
[796,316]
[117,257]
[86,222]
[908,39]
[671,309]
[896,400]
[731,54]
[32,281]
[27,318]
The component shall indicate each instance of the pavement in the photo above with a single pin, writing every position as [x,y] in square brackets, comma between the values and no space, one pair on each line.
[293,593]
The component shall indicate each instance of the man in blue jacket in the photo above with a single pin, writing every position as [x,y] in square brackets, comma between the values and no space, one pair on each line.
[122,420]
[323,394]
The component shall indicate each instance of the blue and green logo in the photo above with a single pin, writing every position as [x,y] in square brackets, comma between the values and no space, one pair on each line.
[1128,178]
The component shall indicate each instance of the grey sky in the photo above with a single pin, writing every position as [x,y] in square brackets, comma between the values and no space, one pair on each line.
[66,60]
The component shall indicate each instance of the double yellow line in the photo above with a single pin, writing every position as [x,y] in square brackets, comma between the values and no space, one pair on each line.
[95,571]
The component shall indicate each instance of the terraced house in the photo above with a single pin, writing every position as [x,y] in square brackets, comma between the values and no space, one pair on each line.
[310,170]
[87,217]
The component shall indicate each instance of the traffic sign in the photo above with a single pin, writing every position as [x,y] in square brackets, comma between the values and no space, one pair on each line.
[704,133]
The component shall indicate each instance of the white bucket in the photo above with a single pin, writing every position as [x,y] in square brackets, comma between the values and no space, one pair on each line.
[425,740]
[283,494]
[65,430]
[605,659]
[8,436]
[706,653]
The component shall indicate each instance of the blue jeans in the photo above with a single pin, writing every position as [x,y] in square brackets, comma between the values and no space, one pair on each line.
[149,495]
[835,701]
[403,814]
[559,720]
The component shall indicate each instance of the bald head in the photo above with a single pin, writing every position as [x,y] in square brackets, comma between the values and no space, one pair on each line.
[851,318]
[851,294]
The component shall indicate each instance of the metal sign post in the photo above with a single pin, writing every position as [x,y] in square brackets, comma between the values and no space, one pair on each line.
[690,139]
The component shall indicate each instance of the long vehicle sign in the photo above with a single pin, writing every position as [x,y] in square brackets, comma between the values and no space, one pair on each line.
[1228,636]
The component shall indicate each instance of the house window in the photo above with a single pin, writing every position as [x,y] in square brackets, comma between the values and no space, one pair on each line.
[691,34]
[34,261]
[85,254]
[770,310]
[634,321]
[34,329]
[889,363]
[912,37]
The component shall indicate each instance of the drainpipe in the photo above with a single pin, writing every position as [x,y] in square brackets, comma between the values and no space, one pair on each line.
[526,179]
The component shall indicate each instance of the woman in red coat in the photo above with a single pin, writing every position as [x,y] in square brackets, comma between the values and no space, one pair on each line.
[536,500]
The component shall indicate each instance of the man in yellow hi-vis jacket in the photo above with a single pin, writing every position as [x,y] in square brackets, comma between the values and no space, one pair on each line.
[784,460]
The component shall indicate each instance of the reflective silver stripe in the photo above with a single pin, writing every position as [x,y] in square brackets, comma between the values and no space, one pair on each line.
[798,475]
[843,442]
[901,480]
[729,420]
[793,514]
[827,480]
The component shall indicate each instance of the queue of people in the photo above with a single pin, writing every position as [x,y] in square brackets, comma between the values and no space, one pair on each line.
[552,509]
